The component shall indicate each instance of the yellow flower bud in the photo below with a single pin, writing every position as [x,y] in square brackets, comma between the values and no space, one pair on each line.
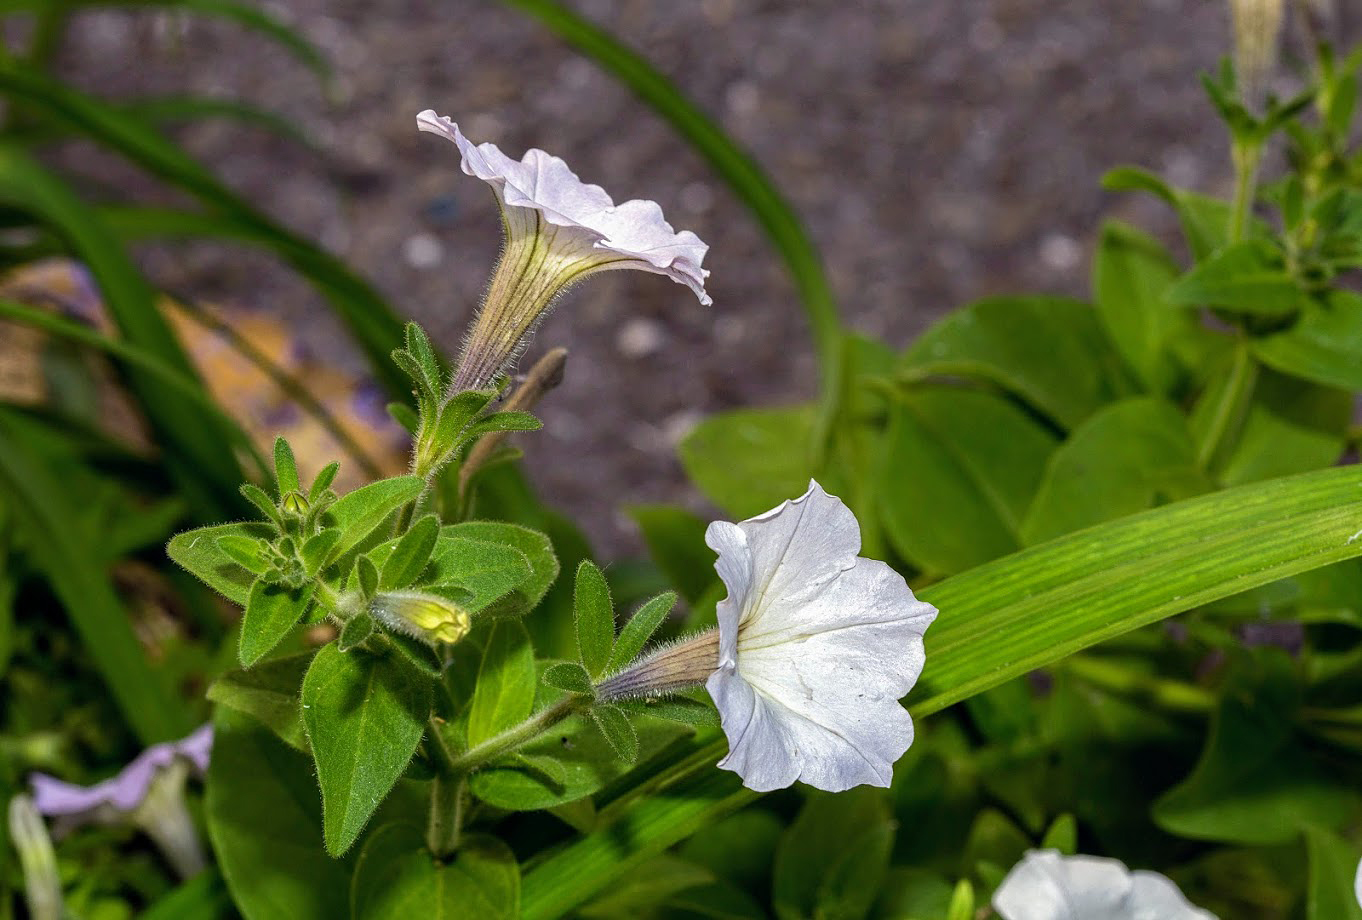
[427,617]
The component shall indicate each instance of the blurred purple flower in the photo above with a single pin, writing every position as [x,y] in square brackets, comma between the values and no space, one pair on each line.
[124,792]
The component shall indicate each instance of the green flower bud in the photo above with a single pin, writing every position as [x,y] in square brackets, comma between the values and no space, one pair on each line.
[295,503]
[427,617]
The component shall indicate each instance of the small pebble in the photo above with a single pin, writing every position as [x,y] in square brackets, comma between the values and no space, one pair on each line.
[423,251]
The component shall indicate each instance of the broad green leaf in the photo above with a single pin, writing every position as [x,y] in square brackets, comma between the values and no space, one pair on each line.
[197,552]
[1048,351]
[506,682]
[201,897]
[649,887]
[730,162]
[397,879]
[739,849]
[569,677]
[535,546]
[585,764]
[1256,783]
[615,726]
[1130,456]
[749,460]
[357,514]
[271,611]
[1218,415]
[594,617]
[410,554]
[638,629]
[1324,345]
[959,470]
[364,716]
[265,822]
[831,859]
[1246,277]
[676,542]
[320,549]
[1205,220]
[245,552]
[268,692]
[1293,426]
[37,506]
[914,894]
[1333,869]
[1131,271]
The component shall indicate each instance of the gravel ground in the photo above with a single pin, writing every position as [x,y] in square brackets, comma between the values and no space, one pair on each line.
[937,150]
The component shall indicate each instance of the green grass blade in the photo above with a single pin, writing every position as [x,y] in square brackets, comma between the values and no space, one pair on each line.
[1010,616]
[134,357]
[371,321]
[198,454]
[40,509]
[736,167]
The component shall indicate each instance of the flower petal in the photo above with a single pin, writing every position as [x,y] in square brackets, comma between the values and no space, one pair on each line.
[633,234]
[1048,886]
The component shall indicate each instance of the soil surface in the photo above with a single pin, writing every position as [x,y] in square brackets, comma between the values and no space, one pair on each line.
[937,150]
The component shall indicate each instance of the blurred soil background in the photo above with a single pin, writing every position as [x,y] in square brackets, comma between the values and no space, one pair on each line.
[937,150]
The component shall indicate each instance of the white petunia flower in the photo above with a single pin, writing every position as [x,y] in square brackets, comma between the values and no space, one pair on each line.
[1048,886]
[559,229]
[816,647]
[1357,885]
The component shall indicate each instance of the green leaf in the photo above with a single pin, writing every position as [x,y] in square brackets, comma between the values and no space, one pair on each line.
[268,692]
[569,677]
[266,826]
[1333,868]
[359,513]
[37,506]
[681,709]
[1246,277]
[1324,345]
[506,681]
[676,542]
[319,550]
[263,503]
[364,716]
[503,421]
[969,462]
[638,629]
[410,555]
[356,629]
[1134,454]
[201,897]
[618,731]
[594,617]
[366,577]
[1292,426]
[1218,415]
[585,763]
[533,545]
[649,887]
[1205,220]
[1062,835]
[285,468]
[1131,271]
[749,460]
[198,553]
[736,167]
[244,551]
[1255,783]
[396,879]
[271,612]
[962,901]
[323,481]
[831,860]
[1048,351]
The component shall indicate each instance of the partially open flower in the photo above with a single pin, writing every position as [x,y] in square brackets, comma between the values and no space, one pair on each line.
[816,646]
[148,793]
[1048,886]
[559,229]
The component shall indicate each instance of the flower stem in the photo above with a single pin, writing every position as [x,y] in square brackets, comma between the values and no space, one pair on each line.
[448,803]
[1246,155]
[517,735]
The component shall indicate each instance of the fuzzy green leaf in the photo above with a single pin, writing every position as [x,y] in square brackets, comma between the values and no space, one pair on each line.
[506,682]
[396,879]
[360,512]
[320,549]
[410,555]
[197,552]
[364,716]
[594,617]
[535,547]
[323,481]
[618,731]
[1246,277]
[638,630]
[244,551]
[569,677]
[271,611]
[269,693]
[285,467]
[356,629]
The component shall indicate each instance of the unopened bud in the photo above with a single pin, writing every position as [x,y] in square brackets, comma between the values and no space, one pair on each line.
[427,617]
[296,503]
[42,887]
[1257,26]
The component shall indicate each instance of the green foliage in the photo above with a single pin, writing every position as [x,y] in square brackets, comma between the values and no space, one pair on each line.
[364,716]
[750,460]
[506,682]
[396,877]
[271,612]
[830,861]
[594,615]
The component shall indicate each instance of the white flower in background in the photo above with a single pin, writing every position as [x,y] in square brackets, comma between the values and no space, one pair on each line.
[816,646]
[1257,28]
[148,793]
[1357,885]
[559,229]
[1048,886]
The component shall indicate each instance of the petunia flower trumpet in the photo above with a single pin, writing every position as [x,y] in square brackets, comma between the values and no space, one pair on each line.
[1048,886]
[148,793]
[558,229]
[814,649]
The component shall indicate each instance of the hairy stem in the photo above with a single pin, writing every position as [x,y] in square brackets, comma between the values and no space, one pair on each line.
[518,735]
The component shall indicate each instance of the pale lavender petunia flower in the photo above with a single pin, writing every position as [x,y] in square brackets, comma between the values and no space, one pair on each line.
[559,229]
[147,793]
[1048,886]
[816,647]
